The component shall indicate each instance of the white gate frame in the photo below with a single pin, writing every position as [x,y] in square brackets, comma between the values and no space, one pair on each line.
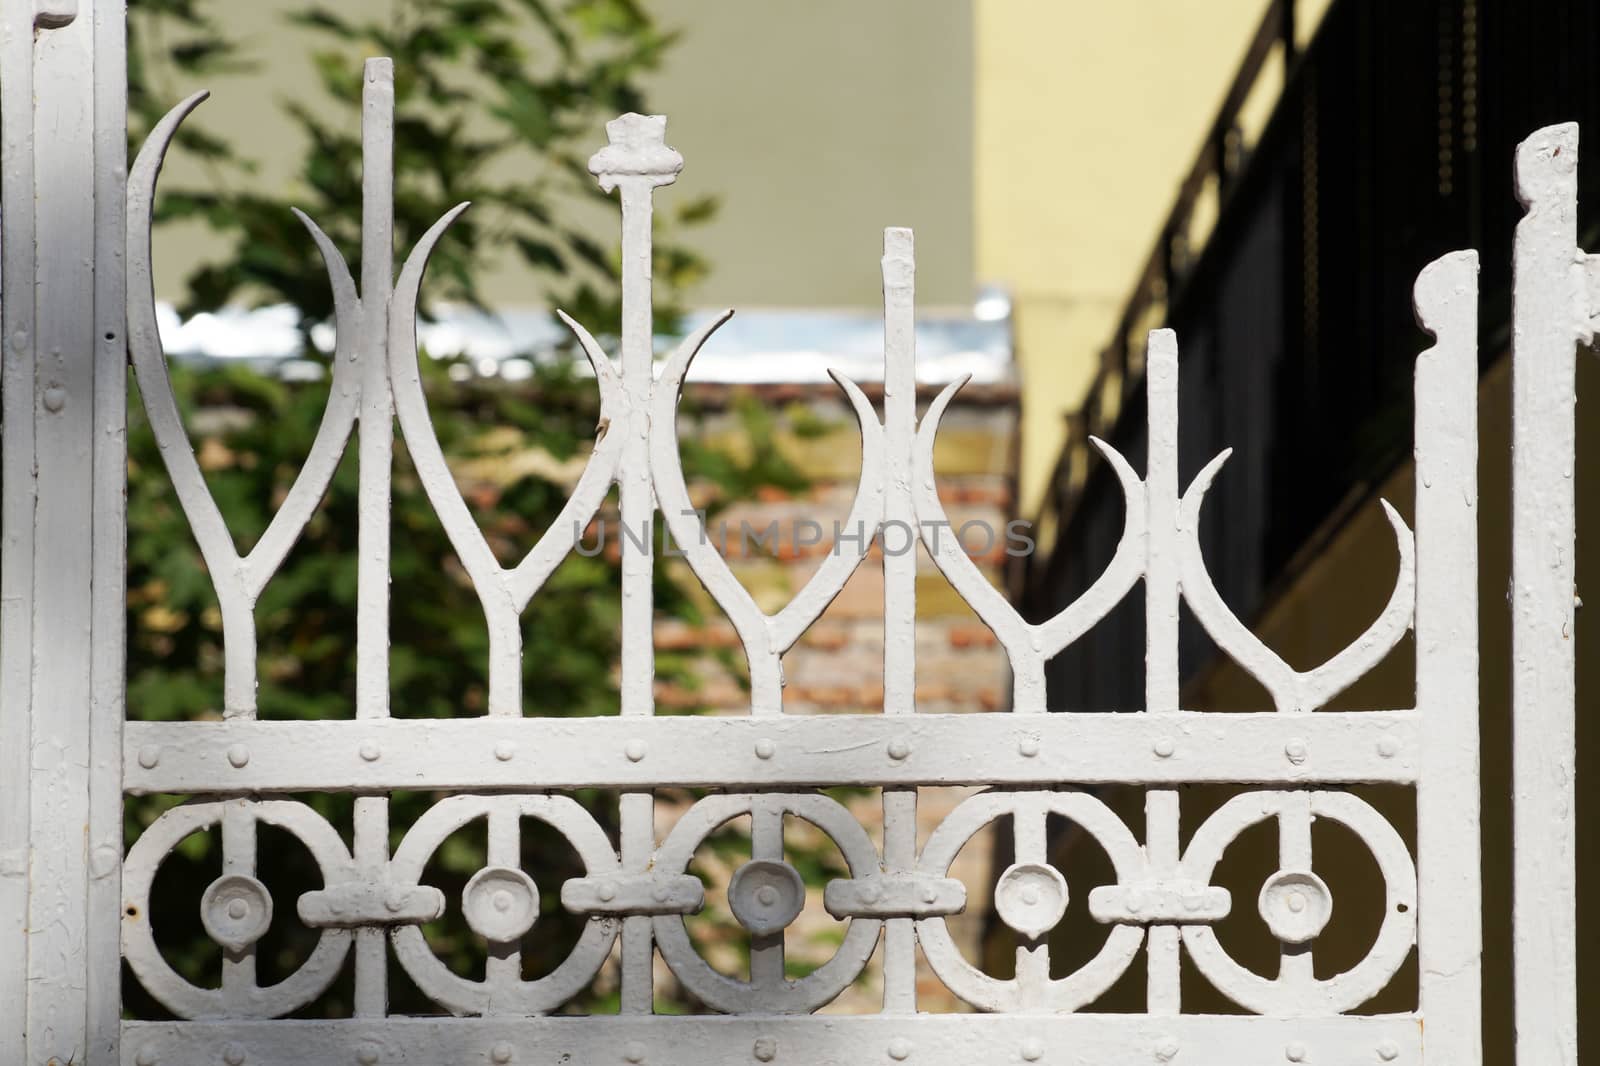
[63,91]
[72,909]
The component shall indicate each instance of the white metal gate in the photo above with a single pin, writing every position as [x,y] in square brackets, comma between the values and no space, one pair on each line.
[74,907]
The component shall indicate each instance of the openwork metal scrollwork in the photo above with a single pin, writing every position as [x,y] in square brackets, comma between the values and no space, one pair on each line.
[636,891]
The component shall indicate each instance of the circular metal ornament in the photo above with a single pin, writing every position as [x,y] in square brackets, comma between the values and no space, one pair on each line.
[1296,905]
[236,911]
[1031,898]
[758,996]
[144,957]
[1035,897]
[766,896]
[500,903]
[462,995]
[1305,994]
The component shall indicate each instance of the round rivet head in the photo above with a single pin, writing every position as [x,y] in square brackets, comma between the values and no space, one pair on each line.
[1388,747]
[501,903]
[1295,1052]
[233,1055]
[765,749]
[55,398]
[239,756]
[899,1049]
[1296,751]
[766,1049]
[766,896]
[1032,1049]
[634,750]
[1296,905]
[1028,746]
[505,750]
[1031,898]
[368,1055]
[236,911]
[146,1057]
[1167,1049]
[1388,1051]
[149,756]
[1164,747]
[607,892]
[501,1052]
[899,748]
[370,751]
[395,901]
[634,1052]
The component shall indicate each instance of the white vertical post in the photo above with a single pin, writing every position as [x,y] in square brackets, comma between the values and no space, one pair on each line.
[1161,591]
[61,678]
[376,465]
[638,161]
[1449,907]
[16,514]
[1549,317]
[899,544]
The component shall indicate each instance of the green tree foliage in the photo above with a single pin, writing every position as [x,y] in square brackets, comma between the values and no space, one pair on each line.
[485,89]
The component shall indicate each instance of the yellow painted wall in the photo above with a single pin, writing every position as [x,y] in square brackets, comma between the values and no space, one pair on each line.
[1089,114]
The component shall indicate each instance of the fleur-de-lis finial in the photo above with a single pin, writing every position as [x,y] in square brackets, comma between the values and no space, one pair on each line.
[637,149]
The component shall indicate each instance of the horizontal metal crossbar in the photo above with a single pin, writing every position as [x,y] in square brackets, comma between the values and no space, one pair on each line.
[475,754]
[920,1040]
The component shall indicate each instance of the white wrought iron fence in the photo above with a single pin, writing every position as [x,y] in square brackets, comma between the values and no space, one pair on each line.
[75,908]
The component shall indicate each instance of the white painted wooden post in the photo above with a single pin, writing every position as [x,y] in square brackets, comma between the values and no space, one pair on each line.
[62,87]
[1553,310]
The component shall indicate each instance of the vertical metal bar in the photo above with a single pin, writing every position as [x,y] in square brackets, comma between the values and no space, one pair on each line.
[376,446]
[64,246]
[1161,590]
[637,507]
[766,844]
[1294,853]
[1548,317]
[239,860]
[1031,845]
[503,968]
[899,543]
[1449,905]
[108,637]
[638,160]
[16,514]
[1161,507]
[1161,844]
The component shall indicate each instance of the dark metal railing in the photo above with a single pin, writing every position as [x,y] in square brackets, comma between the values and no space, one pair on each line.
[1390,144]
